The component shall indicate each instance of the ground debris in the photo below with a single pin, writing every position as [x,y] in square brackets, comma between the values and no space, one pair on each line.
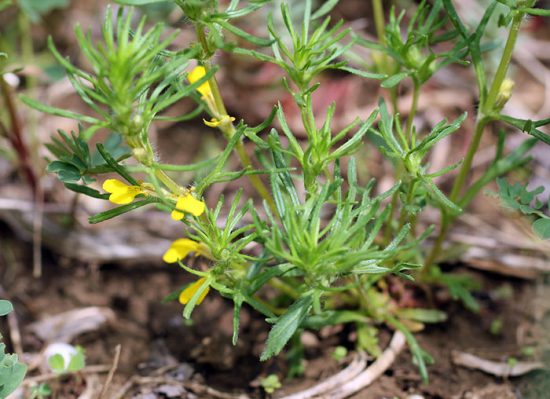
[499,369]
[64,327]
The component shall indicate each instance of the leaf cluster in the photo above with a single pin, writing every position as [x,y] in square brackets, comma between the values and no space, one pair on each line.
[133,79]
[519,198]
[12,371]
[412,50]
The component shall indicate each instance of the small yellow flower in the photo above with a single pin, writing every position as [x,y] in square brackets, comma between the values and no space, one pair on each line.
[121,193]
[189,204]
[196,74]
[189,291]
[214,122]
[180,249]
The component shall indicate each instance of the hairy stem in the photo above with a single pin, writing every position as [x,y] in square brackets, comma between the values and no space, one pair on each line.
[228,129]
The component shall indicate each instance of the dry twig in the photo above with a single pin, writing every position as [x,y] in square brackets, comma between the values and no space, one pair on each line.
[340,387]
[500,369]
[111,372]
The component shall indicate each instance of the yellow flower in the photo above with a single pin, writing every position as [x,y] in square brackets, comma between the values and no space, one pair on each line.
[195,75]
[189,291]
[180,249]
[189,204]
[121,193]
[214,122]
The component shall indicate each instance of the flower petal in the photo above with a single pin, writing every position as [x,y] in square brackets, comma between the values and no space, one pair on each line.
[212,122]
[121,198]
[196,74]
[188,204]
[189,291]
[114,185]
[121,193]
[177,215]
[180,249]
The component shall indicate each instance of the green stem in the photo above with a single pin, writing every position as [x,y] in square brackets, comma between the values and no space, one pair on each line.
[438,245]
[484,117]
[174,188]
[500,74]
[228,129]
[412,113]
[467,164]
[379,23]
[403,214]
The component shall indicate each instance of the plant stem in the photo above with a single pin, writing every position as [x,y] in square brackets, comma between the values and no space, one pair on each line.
[403,213]
[379,23]
[16,136]
[438,245]
[174,188]
[500,74]
[484,117]
[467,164]
[228,129]
[412,113]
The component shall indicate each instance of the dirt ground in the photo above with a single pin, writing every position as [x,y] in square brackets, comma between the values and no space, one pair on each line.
[155,340]
[117,267]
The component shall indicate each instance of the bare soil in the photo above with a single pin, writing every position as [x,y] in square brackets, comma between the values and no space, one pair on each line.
[154,337]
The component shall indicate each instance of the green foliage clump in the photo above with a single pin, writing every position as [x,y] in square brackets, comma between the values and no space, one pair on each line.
[328,245]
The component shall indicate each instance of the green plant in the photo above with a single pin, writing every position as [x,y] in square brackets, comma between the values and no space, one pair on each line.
[40,391]
[69,361]
[518,197]
[12,371]
[331,247]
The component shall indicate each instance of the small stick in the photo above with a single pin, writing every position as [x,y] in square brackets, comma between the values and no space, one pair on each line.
[101,368]
[370,374]
[15,334]
[351,371]
[111,372]
[38,218]
[356,380]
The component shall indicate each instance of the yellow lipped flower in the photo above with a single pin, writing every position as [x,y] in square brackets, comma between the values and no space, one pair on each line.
[179,249]
[121,193]
[215,122]
[189,291]
[197,74]
[188,204]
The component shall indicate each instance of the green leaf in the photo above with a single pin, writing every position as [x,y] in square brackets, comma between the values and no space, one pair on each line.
[542,228]
[420,356]
[12,372]
[78,360]
[363,74]
[57,363]
[441,198]
[244,35]
[394,80]
[188,309]
[90,192]
[286,325]
[65,171]
[58,111]
[423,315]
[5,307]
[36,8]
[327,7]
[115,165]
[537,11]
[237,304]
[100,217]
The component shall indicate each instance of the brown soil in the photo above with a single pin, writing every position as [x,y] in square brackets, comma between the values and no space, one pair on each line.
[154,336]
